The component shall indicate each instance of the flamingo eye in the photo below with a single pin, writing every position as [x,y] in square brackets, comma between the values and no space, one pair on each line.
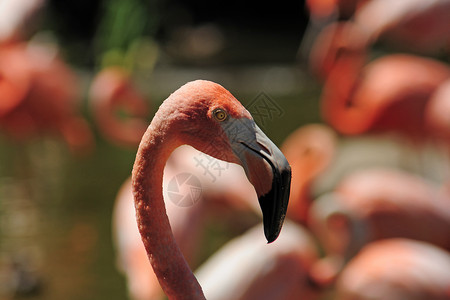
[220,115]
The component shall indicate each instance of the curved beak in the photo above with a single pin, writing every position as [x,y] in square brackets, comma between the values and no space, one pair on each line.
[267,169]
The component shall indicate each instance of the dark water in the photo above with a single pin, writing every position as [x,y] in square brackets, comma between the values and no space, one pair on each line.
[55,209]
[55,217]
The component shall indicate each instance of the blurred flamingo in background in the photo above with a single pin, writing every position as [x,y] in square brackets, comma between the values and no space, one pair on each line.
[201,113]
[39,96]
[247,268]
[396,269]
[43,99]
[412,25]
[323,13]
[390,93]
[309,150]
[39,92]
[375,204]
[111,91]
[340,41]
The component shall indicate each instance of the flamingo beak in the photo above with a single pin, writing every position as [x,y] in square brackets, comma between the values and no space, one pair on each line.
[267,169]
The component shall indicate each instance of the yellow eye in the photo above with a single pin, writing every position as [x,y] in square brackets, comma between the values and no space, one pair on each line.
[220,115]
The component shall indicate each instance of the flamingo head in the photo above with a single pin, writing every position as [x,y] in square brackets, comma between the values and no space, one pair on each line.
[214,122]
[310,150]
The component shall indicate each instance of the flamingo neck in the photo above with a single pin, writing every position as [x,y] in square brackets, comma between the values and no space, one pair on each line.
[169,265]
[341,106]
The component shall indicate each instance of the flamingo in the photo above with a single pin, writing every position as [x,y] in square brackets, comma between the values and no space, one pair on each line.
[337,41]
[274,271]
[414,24]
[323,13]
[39,96]
[396,269]
[38,91]
[374,204]
[110,91]
[390,93]
[206,116]
[230,196]
[309,150]
[282,268]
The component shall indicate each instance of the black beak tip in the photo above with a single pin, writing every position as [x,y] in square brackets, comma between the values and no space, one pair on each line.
[274,204]
[271,237]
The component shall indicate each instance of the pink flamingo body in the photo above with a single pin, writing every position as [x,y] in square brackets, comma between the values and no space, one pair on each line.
[413,24]
[280,271]
[396,269]
[194,115]
[376,204]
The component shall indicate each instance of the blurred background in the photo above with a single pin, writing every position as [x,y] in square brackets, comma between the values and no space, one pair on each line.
[78,77]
